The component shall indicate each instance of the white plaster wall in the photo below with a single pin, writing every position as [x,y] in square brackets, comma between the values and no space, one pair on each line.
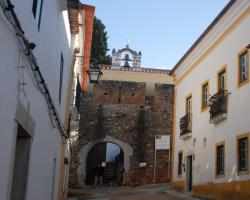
[78,71]
[46,144]
[238,117]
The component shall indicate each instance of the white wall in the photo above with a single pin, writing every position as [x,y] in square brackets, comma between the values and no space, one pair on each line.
[46,144]
[238,116]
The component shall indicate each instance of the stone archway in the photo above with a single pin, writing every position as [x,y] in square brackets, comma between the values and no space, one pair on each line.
[83,154]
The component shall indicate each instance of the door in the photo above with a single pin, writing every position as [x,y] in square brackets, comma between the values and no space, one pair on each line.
[53,180]
[189,174]
[21,165]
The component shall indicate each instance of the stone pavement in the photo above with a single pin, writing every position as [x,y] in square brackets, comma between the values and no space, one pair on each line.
[146,192]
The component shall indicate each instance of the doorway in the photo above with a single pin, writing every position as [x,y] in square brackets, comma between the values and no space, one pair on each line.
[189,173]
[21,164]
[111,158]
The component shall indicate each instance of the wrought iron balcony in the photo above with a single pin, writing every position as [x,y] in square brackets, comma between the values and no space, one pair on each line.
[186,125]
[218,106]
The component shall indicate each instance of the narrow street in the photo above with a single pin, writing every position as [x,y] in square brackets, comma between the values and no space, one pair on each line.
[136,100]
[147,192]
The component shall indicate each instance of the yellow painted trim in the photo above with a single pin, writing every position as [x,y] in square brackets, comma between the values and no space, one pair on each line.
[219,72]
[180,175]
[215,44]
[174,77]
[238,137]
[241,84]
[178,185]
[216,146]
[222,191]
[173,137]
[203,109]
[187,97]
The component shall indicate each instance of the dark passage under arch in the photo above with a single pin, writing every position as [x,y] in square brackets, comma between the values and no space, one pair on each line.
[111,158]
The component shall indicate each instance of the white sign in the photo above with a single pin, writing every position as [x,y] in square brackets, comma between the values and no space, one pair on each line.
[103,164]
[143,164]
[162,142]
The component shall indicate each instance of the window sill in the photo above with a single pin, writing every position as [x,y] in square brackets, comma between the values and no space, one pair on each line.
[220,176]
[204,109]
[179,176]
[243,83]
[240,173]
[186,136]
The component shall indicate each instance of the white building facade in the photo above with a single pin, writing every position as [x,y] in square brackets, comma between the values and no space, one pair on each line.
[36,67]
[211,154]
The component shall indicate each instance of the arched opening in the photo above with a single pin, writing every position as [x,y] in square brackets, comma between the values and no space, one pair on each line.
[84,151]
[105,160]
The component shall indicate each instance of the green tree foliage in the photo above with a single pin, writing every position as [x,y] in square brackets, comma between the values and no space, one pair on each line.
[99,46]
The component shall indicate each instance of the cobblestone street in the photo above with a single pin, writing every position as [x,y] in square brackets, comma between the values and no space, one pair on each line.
[148,192]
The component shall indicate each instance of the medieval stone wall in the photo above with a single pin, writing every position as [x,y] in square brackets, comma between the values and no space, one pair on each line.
[122,111]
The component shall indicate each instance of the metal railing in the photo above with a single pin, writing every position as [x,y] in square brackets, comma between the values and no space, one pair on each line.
[218,104]
[186,124]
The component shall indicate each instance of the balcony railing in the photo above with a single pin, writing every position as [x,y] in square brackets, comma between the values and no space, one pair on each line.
[218,106]
[186,124]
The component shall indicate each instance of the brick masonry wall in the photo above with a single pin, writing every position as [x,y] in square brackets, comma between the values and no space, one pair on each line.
[88,25]
[121,110]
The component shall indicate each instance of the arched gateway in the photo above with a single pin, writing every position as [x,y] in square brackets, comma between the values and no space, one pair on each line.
[121,112]
[83,154]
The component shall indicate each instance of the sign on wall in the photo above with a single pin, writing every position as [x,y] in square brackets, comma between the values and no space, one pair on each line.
[143,164]
[103,164]
[162,142]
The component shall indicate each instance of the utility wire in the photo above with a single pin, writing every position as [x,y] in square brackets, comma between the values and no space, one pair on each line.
[40,82]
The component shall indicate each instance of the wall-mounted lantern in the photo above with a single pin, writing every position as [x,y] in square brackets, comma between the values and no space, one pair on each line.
[94,73]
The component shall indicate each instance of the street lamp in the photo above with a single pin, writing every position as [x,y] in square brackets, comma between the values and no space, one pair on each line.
[94,73]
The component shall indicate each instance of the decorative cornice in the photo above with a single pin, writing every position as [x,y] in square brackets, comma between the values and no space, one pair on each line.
[119,51]
[74,6]
[73,20]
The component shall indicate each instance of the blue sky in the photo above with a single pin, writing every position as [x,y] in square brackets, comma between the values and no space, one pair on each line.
[163,30]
